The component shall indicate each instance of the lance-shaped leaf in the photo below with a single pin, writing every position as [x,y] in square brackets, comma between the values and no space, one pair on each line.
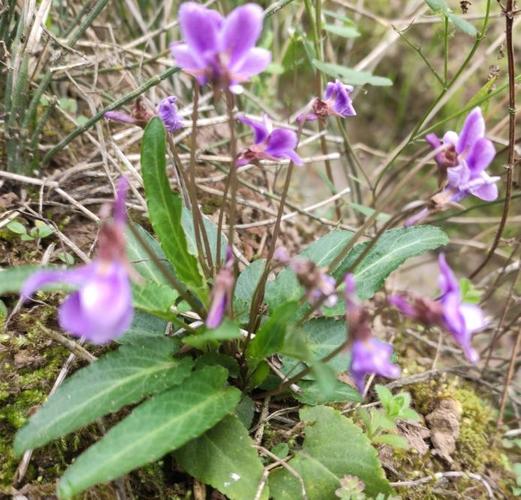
[119,378]
[334,447]
[162,424]
[392,249]
[165,208]
[351,76]
[224,457]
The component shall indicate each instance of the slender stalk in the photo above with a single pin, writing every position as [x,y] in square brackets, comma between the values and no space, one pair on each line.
[152,82]
[192,189]
[445,50]
[233,169]
[508,11]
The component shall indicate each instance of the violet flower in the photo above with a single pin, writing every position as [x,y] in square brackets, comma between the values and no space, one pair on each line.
[369,355]
[449,312]
[220,50]
[464,159]
[166,110]
[221,293]
[101,308]
[335,102]
[270,143]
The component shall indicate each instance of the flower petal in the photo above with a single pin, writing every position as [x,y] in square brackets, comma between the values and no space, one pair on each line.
[259,128]
[474,317]
[200,28]
[120,212]
[281,141]
[473,129]
[253,63]
[167,111]
[446,281]
[481,156]
[74,277]
[119,116]
[488,190]
[240,32]
[102,309]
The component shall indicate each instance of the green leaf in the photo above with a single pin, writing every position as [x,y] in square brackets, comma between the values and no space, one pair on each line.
[165,209]
[469,293]
[211,231]
[16,227]
[392,249]
[119,378]
[384,395]
[322,336]
[462,24]
[154,298]
[343,31]
[322,252]
[334,447]
[224,457]
[245,288]
[441,7]
[228,330]
[144,326]
[270,337]
[162,424]
[398,442]
[140,260]
[351,76]
[42,229]
[312,394]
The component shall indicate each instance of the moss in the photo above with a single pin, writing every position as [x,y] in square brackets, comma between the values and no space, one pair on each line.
[477,448]
[29,364]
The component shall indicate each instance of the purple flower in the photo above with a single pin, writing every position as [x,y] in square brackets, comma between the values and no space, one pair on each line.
[463,159]
[371,356]
[336,102]
[221,292]
[368,354]
[167,111]
[220,50]
[462,320]
[449,312]
[101,307]
[270,143]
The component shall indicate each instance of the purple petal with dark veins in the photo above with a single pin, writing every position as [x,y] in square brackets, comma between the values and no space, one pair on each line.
[259,129]
[240,32]
[473,129]
[481,156]
[200,28]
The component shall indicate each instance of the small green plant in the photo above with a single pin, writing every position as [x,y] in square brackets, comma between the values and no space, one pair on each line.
[39,231]
[380,424]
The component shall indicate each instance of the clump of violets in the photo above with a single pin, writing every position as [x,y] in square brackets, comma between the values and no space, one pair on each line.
[269,143]
[101,308]
[462,160]
[318,286]
[166,110]
[335,102]
[369,355]
[449,312]
[220,50]
[222,292]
